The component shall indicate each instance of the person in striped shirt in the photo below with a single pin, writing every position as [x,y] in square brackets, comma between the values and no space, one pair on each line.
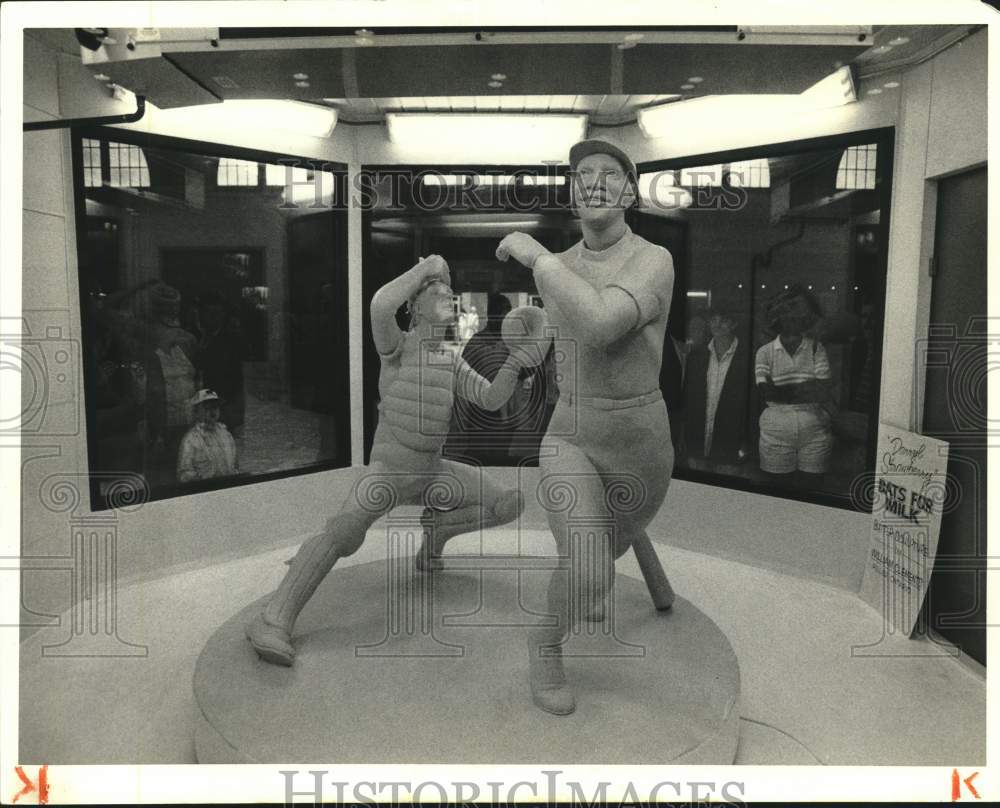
[792,373]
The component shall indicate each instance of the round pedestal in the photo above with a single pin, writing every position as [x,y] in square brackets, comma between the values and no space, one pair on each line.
[395,666]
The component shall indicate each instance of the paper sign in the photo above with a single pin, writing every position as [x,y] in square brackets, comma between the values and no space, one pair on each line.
[910,475]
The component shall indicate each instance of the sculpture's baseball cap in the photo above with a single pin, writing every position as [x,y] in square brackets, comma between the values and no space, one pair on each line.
[600,146]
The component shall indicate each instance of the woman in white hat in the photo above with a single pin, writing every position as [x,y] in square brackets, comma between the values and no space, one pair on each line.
[609,296]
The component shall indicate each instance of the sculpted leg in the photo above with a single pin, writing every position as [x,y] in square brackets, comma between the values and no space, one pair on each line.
[634,511]
[270,632]
[587,567]
[483,504]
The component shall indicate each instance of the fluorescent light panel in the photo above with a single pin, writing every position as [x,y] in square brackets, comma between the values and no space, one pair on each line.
[457,131]
[715,111]
[491,179]
[290,116]
[835,90]
[726,111]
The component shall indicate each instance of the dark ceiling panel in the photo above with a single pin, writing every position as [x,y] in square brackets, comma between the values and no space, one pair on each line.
[407,71]
[461,70]
[159,80]
[731,68]
[266,73]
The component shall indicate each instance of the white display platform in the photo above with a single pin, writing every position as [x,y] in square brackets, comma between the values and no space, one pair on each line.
[398,667]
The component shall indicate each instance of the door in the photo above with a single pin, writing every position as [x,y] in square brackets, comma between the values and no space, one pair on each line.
[955,409]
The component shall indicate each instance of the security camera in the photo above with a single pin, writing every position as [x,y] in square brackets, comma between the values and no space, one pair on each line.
[91,38]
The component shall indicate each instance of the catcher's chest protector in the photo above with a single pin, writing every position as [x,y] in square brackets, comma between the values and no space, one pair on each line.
[417,403]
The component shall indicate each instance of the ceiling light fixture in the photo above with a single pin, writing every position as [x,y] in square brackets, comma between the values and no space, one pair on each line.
[687,86]
[450,179]
[302,84]
[102,77]
[881,49]
[496,84]
[300,76]
[626,45]
[499,77]
[709,111]
[833,91]
[243,115]
[891,85]
[875,91]
[695,80]
[550,135]
[900,40]
[719,111]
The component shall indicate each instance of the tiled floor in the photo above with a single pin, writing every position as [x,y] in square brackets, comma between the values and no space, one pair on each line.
[277,436]
[819,681]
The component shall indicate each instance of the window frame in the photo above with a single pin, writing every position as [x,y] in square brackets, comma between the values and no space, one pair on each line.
[258,185]
[100,501]
[884,138]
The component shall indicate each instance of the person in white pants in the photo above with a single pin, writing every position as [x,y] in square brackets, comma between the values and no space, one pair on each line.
[792,373]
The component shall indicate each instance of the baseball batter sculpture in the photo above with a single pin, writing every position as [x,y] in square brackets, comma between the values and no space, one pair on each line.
[419,377]
[610,295]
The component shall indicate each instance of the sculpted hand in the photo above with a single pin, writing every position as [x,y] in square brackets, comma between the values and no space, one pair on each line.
[522,248]
[434,266]
[524,334]
[525,353]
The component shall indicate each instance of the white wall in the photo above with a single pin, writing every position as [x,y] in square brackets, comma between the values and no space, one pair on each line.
[938,131]
[49,302]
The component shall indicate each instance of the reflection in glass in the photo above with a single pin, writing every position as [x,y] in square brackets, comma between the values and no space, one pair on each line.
[716,396]
[214,318]
[777,345]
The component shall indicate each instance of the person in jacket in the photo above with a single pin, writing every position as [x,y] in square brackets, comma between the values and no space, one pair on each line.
[716,397]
